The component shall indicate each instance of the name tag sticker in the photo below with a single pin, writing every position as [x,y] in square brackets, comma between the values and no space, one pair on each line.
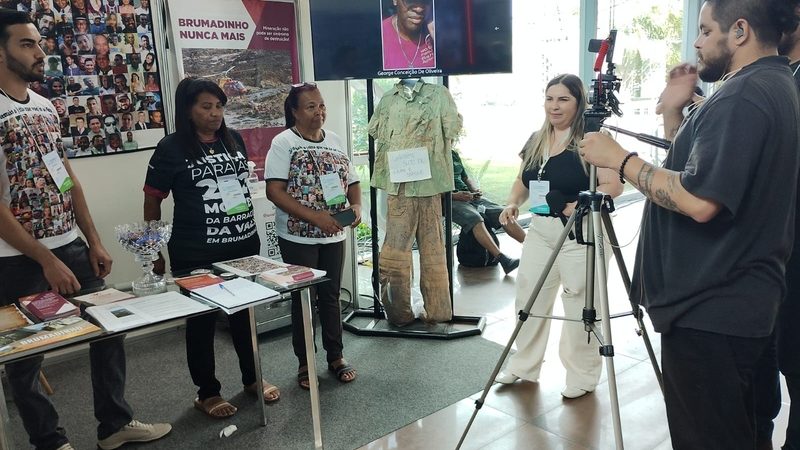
[539,191]
[58,171]
[332,189]
[232,195]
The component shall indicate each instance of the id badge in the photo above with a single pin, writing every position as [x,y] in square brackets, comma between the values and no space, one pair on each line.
[539,190]
[232,195]
[332,189]
[57,170]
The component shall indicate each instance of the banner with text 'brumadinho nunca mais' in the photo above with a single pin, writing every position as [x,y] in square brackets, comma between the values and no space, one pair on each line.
[249,48]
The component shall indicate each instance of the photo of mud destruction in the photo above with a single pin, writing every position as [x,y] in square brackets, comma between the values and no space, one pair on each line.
[255,81]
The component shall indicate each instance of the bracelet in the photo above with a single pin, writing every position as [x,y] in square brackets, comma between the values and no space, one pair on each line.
[622,166]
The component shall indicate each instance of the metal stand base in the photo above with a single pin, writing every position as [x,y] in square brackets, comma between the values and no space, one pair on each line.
[363,322]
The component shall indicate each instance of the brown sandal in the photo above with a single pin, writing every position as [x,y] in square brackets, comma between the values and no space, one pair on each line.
[271,392]
[344,372]
[302,378]
[212,406]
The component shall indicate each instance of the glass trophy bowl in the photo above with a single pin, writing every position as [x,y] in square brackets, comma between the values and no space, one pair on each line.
[144,240]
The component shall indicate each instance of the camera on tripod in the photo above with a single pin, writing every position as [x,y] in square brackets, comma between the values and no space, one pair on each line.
[602,99]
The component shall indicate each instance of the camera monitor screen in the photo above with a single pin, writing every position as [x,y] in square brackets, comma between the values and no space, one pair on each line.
[408,38]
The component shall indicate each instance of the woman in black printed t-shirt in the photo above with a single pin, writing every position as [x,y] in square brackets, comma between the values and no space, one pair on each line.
[192,163]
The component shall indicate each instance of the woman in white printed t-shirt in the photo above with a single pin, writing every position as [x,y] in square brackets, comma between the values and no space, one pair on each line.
[310,178]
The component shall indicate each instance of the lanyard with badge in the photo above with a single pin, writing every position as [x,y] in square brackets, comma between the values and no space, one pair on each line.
[230,189]
[332,189]
[52,159]
[540,188]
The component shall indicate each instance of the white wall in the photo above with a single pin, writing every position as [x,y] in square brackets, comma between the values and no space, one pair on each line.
[113,188]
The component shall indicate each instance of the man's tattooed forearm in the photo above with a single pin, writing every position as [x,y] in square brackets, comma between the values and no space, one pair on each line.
[661,195]
[664,196]
[644,179]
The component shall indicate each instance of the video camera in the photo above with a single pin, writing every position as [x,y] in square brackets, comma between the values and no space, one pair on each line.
[602,100]
[601,96]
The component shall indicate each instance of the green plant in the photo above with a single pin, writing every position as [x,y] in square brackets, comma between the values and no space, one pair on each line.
[363,232]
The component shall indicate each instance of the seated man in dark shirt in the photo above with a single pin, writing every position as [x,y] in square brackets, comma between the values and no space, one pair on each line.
[473,212]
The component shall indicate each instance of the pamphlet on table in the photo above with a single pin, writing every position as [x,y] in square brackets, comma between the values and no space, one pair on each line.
[103,297]
[11,317]
[193,282]
[139,311]
[42,334]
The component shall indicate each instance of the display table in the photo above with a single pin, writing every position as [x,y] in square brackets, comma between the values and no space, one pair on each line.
[85,340]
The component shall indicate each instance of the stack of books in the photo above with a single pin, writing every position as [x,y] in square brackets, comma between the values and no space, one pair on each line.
[270,270]
[47,306]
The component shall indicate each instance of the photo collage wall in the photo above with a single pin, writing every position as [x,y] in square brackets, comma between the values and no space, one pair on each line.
[101,73]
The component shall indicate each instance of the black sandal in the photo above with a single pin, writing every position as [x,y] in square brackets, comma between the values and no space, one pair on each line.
[342,371]
[302,378]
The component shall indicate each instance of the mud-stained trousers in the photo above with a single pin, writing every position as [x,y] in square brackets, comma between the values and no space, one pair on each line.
[410,218]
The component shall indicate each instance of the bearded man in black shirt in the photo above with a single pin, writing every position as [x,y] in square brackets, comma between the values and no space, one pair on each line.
[718,226]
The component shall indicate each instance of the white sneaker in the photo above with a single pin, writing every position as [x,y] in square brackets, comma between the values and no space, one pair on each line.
[135,432]
[66,446]
[506,378]
[571,392]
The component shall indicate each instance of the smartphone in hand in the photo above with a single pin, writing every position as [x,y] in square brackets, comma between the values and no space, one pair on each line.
[345,217]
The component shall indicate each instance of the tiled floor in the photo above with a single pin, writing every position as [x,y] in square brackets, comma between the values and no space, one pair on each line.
[534,415]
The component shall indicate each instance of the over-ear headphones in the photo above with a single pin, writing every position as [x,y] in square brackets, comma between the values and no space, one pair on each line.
[739,32]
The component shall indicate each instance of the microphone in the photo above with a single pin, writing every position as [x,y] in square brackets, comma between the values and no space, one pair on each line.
[601,54]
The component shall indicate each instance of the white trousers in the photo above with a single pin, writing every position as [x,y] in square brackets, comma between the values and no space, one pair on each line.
[581,359]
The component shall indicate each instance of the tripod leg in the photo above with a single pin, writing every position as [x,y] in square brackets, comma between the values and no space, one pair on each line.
[636,309]
[523,316]
[607,347]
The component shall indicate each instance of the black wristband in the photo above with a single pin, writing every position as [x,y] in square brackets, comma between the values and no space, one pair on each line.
[622,166]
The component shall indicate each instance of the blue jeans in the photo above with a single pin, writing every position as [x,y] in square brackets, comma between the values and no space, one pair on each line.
[107,356]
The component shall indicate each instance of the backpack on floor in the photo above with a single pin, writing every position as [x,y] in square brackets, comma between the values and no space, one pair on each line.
[471,253]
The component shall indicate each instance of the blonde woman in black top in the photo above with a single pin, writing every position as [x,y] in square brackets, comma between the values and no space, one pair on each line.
[553,173]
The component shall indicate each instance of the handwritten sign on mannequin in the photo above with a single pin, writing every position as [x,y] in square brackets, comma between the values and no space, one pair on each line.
[412,164]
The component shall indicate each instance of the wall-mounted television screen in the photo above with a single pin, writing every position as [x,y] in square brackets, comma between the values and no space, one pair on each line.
[363,39]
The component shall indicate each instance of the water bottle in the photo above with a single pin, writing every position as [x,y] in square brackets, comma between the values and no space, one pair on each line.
[253,183]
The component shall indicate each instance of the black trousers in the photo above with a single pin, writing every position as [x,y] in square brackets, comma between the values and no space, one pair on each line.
[21,276]
[767,390]
[789,361]
[708,392]
[325,296]
[783,354]
[200,332]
